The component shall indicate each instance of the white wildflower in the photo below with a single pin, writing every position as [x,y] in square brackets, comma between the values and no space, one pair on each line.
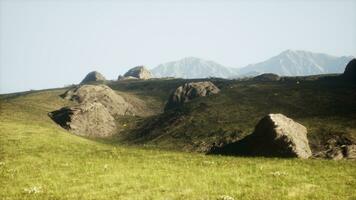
[278,173]
[33,190]
[225,197]
[208,162]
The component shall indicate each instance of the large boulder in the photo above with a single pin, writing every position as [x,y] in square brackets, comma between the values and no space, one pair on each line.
[139,72]
[267,77]
[87,119]
[92,77]
[350,71]
[113,102]
[190,91]
[275,135]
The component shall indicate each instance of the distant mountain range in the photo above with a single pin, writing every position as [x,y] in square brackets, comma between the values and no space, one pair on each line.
[192,67]
[287,63]
[299,63]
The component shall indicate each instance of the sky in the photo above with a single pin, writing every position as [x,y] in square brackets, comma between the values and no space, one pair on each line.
[48,43]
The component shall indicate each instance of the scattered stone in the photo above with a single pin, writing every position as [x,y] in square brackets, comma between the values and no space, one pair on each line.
[190,91]
[87,119]
[350,71]
[267,77]
[274,136]
[139,72]
[92,77]
[350,151]
[337,147]
[113,102]
[335,154]
[225,197]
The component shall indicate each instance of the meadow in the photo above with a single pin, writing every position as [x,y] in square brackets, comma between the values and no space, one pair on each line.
[40,160]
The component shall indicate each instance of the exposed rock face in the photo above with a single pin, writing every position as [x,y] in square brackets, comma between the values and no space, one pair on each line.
[350,151]
[92,77]
[350,71]
[338,147]
[274,136]
[267,77]
[139,72]
[87,119]
[345,151]
[190,91]
[113,102]
[95,113]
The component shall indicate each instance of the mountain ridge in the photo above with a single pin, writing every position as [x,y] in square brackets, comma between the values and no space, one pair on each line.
[287,63]
[299,63]
[191,67]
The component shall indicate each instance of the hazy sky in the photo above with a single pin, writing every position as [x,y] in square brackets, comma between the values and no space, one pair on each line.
[46,43]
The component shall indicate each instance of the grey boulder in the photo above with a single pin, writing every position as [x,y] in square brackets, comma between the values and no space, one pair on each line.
[190,91]
[93,77]
[88,119]
[275,135]
[139,72]
[113,102]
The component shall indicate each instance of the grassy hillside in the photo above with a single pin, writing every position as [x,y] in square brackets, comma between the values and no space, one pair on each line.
[40,160]
[326,107]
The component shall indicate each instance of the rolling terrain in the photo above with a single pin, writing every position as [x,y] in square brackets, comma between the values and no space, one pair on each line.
[149,159]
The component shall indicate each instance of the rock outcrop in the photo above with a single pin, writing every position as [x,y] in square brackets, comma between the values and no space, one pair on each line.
[337,147]
[92,77]
[350,151]
[139,72]
[350,71]
[87,119]
[267,77]
[95,112]
[113,102]
[274,136]
[190,91]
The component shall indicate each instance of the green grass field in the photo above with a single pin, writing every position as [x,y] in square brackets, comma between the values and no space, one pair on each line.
[40,160]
